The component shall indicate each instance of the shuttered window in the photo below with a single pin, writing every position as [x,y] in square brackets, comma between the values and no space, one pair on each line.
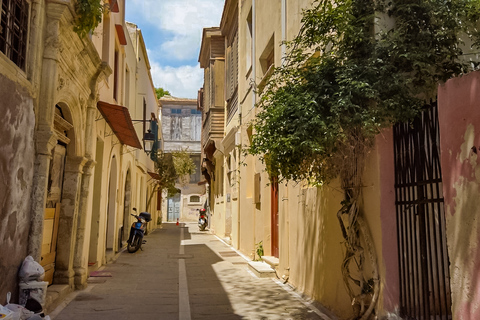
[13,30]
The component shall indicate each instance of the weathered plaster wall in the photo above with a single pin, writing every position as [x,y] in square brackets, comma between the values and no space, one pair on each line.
[17,154]
[459,117]
[388,260]
[315,248]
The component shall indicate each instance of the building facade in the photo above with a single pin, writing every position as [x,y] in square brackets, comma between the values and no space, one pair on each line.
[417,254]
[181,130]
[73,163]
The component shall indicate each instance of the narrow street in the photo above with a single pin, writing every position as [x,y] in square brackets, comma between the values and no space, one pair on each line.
[182,273]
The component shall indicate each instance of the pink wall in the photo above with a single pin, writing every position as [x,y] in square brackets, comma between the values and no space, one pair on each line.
[391,293]
[459,117]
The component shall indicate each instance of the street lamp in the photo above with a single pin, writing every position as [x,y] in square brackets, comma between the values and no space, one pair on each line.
[148,140]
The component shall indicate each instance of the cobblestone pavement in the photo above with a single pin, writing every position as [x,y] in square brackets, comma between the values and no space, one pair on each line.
[182,273]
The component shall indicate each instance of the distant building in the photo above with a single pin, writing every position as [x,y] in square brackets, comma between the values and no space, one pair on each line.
[181,130]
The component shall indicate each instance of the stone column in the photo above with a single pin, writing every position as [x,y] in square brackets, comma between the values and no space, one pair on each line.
[68,222]
[80,263]
[44,136]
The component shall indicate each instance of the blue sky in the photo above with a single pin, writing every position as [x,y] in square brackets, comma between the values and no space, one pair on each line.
[172,30]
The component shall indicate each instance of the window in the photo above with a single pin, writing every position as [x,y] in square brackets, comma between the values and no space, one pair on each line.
[267,58]
[176,111]
[249,42]
[194,198]
[115,76]
[13,30]
[195,111]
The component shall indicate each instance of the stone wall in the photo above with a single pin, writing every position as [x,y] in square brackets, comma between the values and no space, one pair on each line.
[17,155]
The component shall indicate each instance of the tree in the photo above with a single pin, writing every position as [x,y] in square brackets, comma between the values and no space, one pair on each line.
[161,92]
[171,168]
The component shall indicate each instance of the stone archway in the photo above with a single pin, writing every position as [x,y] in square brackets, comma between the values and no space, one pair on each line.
[69,198]
[55,184]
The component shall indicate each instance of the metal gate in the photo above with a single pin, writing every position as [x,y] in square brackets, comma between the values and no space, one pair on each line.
[423,258]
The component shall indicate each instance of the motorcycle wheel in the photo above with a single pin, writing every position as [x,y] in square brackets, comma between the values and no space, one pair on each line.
[135,244]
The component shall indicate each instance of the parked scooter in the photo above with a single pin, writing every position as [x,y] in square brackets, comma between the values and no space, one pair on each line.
[202,220]
[137,231]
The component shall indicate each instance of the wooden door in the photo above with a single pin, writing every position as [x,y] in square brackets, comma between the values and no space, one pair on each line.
[49,243]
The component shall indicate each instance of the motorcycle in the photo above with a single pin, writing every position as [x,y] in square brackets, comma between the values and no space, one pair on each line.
[137,231]
[202,220]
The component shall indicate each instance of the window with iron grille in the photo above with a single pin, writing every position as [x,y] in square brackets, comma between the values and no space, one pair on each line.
[13,30]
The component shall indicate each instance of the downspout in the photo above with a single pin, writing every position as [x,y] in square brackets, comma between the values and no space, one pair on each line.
[284,29]
[254,98]
[286,260]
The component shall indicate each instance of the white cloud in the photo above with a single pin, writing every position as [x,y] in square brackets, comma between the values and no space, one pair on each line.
[181,82]
[183,19]
[180,24]
[182,47]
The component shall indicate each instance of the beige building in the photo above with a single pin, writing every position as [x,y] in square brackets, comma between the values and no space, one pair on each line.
[294,224]
[181,130]
[73,163]
[416,255]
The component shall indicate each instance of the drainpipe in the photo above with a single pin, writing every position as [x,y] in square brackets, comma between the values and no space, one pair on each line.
[254,97]
[284,29]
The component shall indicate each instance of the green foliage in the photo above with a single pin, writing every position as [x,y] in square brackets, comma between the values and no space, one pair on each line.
[346,76]
[89,15]
[184,165]
[161,92]
[259,250]
[171,168]
[165,168]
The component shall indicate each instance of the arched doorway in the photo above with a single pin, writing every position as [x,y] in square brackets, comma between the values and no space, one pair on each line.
[127,204]
[111,208]
[56,175]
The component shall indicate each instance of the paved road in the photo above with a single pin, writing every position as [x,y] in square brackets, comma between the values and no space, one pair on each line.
[182,274]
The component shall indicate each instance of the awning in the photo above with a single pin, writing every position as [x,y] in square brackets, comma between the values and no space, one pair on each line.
[121,34]
[118,118]
[154,175]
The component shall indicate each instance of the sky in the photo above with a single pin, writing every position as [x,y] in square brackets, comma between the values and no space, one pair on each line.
[172,30]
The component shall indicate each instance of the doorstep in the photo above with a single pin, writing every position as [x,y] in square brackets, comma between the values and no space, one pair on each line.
[56,293]
[273,261]
[261,269]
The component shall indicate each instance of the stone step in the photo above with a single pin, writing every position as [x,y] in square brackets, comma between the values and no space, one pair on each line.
[55,295]
[261,269]
[273,261]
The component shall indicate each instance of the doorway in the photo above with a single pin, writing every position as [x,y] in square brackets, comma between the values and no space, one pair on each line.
[173,209]
[111,207]
[274,216]
[423,257]
[127,201]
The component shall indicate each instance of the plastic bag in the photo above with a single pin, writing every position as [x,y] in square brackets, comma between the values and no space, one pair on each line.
[31,270]
[6,314]
[19,312]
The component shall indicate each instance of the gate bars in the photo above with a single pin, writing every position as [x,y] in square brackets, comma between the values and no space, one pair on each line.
[423,257]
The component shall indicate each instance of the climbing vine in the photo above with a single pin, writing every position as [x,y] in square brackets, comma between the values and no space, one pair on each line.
[357,66]
[89,15]
[347,75]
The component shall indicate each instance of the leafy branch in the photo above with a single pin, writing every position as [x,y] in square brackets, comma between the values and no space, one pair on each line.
[89,14]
